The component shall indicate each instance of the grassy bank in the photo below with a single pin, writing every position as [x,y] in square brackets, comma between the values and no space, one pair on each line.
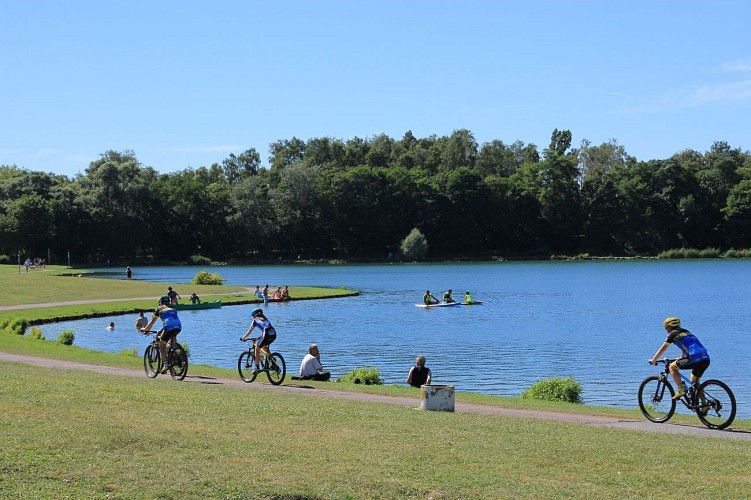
[57,284]
[81,434]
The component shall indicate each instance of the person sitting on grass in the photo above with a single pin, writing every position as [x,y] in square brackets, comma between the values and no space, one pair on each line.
[419,374]
[311,368]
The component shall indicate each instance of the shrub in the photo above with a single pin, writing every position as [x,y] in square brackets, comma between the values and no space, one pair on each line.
[740,253]
[206,278]
[414,246]
[367,375]
[185,348]
[36,333]
[133,353]
[199,260]
[555,389]
[18,325]
[4,259]
[66,337]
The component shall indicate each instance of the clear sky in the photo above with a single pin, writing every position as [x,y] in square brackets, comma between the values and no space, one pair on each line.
[185,83]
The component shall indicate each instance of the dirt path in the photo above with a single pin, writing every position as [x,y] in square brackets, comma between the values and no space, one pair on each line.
[410,402]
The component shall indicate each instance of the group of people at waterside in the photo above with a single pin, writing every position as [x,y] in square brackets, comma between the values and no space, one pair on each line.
[279,294]
[429,299]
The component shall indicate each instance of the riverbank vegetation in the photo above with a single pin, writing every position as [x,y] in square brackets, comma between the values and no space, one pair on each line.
[359,199]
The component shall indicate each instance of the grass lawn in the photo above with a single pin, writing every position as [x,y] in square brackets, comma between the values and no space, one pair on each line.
[77,434]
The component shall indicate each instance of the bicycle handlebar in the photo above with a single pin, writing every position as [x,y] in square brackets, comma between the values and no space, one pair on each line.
[664,361]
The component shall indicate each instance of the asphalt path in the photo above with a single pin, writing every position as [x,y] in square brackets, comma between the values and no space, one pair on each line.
[294,387]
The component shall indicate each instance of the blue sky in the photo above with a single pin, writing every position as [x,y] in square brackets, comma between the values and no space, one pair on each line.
[184,83]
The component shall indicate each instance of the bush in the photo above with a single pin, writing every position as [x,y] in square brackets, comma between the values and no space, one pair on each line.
[199,260]
[741,253]
[18,326]
[414,246]
[66,337]
[367,375]
[206,278]
[689,253]
[4,259]
[555,389]
[132,353]
[36,333]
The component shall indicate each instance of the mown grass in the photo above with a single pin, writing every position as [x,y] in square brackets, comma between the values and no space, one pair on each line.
[80,434]
[60,284]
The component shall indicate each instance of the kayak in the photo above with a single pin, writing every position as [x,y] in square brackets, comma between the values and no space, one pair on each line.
[473,303]
[442,304]
[214,304]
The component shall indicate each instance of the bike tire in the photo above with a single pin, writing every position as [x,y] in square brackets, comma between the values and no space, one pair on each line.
[178,363]
[717,409]
[276,368]
[654,403]
[152,360]
[246,367]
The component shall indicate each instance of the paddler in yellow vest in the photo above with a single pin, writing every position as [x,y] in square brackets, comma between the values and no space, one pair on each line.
[467,298]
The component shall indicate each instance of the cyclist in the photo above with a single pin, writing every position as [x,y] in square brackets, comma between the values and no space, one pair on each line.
[447,297]
[171,327]
[694,354]
[268,335]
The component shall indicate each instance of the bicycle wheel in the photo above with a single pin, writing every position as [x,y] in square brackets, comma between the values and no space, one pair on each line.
[178,363]
[656,399]
[716,408]
[276,368]
[246,367]
[152,361]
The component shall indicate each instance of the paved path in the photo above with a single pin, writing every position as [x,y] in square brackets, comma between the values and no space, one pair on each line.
[410,402]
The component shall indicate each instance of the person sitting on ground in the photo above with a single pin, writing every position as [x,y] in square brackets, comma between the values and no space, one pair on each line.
[268,335]
[285,293]
[419,374]
[447,297]
[171,327]
[278,294]
[173,296]
[311,368]
[141,322]
[429,299]
[258,293]
[195,299]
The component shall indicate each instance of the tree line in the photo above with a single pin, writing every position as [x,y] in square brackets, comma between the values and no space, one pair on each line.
[356,199]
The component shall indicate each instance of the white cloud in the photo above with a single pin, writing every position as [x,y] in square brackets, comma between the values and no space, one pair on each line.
[739,65]
[723,92]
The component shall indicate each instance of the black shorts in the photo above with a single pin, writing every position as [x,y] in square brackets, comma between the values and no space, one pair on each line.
[697,369]
[166,336]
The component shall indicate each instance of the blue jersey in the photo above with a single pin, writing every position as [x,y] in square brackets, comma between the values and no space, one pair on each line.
[168,317]
[688,344]
[263,324]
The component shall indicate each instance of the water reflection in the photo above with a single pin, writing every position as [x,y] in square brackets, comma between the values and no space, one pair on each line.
[596,321]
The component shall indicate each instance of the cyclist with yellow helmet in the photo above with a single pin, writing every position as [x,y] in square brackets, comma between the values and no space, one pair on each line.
[693,354]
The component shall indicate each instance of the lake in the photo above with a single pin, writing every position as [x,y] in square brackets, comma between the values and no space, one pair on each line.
[597,321]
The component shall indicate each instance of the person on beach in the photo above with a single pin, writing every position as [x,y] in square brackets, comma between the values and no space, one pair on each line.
[173,296]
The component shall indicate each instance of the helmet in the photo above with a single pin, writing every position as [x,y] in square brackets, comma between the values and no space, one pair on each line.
[257,312]
[163,300]
[671,322]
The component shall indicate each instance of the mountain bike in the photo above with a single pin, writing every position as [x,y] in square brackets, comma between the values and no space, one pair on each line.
[713,401]
[271,362]
[176,355]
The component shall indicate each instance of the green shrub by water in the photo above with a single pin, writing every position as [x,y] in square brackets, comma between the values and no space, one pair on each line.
[36,333]
[555,389]
[66,337]
[199,260]
[133,353]
[690,253]
[368,375]
[206,278]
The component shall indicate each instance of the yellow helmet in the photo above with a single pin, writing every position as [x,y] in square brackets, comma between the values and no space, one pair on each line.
[671,322]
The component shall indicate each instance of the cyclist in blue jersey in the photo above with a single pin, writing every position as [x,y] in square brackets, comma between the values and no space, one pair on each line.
[268,334]
[171,327]
[693,354]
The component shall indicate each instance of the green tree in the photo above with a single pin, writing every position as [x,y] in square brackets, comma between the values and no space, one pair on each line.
[414,246]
